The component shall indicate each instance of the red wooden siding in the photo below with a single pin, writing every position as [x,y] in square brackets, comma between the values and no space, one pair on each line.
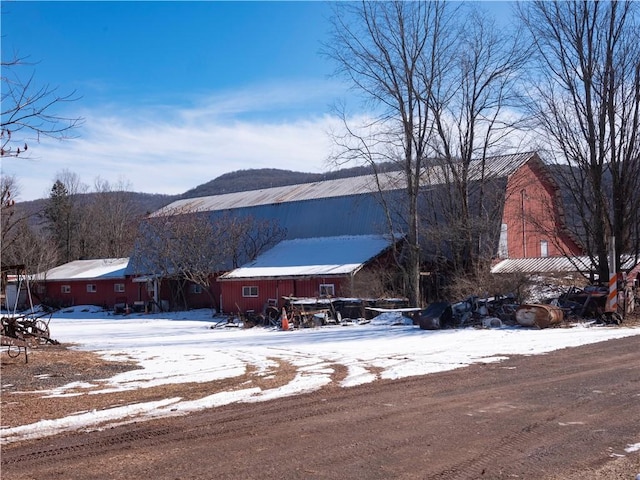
[234,301]
[104,294]
[532,216]
[276,288]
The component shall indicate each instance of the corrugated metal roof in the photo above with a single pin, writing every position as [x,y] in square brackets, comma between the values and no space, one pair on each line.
[326,256]
[498,166]
[554,265]
[274,195]
[87,270]
[542,265]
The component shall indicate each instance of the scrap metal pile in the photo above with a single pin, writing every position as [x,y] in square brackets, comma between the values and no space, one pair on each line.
[574,305]
[588,304]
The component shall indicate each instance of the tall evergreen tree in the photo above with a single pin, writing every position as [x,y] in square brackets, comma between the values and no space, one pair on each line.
[59,215]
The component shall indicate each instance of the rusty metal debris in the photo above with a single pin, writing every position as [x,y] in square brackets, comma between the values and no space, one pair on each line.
[20,332]
[493,312]
[539,315]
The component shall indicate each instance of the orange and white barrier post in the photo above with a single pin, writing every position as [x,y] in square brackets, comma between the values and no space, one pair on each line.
[612,298]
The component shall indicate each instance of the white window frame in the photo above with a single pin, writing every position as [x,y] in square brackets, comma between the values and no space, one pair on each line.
[92,288]
[327,290]
[503,243]
[544,248]
[248,291]
[65,288]
[118,287]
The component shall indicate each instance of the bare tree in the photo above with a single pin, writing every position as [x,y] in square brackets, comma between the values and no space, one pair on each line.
[473,100]
[9,190]
[439,88]
[28,111]
[391,52]
[20,244]
[245,237]
[586,99]
[185,246]
[166,247]
[36,252]
[109,223]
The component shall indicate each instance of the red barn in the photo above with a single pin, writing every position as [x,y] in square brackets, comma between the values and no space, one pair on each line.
[526,221]
[310,267]
[533,215]
[99,282]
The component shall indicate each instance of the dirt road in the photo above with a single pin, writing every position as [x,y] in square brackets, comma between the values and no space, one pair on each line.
[571,414]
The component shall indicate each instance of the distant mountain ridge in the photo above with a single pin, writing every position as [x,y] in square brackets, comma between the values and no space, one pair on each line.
[256,179]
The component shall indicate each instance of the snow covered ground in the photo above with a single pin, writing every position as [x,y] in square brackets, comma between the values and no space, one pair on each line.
[183,347]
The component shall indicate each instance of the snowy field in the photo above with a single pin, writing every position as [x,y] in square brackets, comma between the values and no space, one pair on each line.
[183,347]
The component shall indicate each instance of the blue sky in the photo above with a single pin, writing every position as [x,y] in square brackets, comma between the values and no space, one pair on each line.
[174,94]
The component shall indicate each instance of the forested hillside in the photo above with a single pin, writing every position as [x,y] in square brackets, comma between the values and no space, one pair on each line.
[255,179]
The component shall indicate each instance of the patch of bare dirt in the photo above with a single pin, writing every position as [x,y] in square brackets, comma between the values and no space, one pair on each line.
[24,399]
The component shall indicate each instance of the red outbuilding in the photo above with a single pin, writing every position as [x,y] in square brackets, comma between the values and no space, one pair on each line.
[100,282]
[309,267]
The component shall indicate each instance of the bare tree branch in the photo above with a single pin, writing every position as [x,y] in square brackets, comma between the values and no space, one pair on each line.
[28,111]
[586,98]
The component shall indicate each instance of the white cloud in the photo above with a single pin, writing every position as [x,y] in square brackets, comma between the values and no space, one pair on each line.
[171,150]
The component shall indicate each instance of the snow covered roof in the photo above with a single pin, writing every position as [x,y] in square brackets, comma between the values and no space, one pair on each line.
[555,264]
[102,268]
[322,256]
[499,166]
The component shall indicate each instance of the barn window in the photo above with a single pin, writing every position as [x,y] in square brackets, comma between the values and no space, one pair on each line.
[196,288]
[503,243]
[118,287]
[544,248]
[250,291]
[327,290]
[65,288]
[91,288]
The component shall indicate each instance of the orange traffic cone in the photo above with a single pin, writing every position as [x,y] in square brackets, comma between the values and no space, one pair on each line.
[285,320]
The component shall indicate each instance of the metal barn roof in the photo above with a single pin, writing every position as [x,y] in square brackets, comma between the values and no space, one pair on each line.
[349,215]
[275,195]
[555,264]
[498,166]
[542,265]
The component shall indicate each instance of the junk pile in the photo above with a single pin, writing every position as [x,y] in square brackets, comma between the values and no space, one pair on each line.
[494,312]
[309,312]
[483,312]
[491,312]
